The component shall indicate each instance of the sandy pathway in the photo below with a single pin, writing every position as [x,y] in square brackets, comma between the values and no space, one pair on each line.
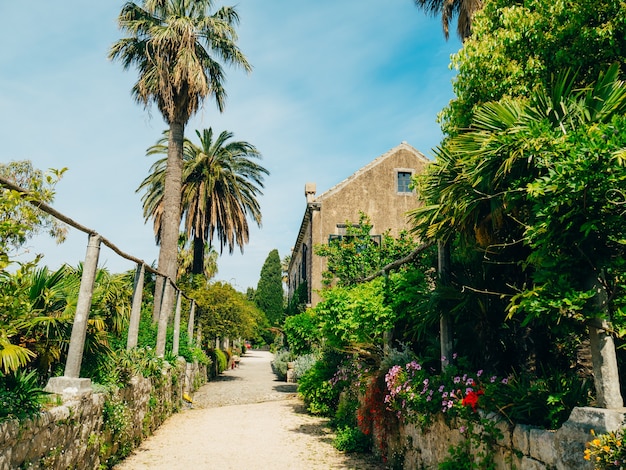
[244,420]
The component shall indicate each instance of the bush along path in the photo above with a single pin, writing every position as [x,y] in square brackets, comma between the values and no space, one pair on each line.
[246,418]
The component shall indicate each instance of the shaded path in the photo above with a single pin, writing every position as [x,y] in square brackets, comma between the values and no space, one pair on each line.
[245,419]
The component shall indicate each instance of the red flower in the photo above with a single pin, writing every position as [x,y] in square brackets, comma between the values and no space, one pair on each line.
[471,399]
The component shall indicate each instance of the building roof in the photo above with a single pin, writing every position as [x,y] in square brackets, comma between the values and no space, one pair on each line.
[377,161]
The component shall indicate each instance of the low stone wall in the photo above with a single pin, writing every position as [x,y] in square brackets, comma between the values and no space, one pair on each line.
[521,447]
[96,430]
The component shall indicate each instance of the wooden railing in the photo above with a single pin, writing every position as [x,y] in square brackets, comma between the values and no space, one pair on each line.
[71,378]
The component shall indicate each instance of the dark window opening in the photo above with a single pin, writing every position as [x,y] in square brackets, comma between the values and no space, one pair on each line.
[404,181]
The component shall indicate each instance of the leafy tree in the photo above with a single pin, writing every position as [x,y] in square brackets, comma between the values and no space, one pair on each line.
[176,46]
[222,312]
[269,295]
[517,46]
[20,219]
[220,186]
[355,317]
[358,255]
[302,332]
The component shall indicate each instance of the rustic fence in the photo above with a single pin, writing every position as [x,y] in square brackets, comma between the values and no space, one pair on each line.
[71,382]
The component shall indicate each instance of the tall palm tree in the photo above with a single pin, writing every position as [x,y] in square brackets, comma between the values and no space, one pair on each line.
[463,9]
[176,46]
[220,186]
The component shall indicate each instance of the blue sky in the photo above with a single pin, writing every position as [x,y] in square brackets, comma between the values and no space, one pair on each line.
[335,84]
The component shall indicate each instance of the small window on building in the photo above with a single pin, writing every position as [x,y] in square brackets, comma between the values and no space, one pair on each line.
[404,181]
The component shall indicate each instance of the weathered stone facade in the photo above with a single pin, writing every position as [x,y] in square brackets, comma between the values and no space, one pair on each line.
[74,434]
[375,190]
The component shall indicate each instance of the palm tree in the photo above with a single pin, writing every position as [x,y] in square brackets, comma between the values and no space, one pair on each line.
[173,43]
[185,259]
[463,9]
[219,191]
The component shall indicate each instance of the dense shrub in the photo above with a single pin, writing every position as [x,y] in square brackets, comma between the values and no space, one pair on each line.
[279,363]
[302,364]
[352,439]
[302,332]
[219,360]
[20,395]
[319,394]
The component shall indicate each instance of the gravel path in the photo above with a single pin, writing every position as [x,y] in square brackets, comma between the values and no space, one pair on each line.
[245,419]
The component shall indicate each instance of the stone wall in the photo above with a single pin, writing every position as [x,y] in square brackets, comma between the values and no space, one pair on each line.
[96,430]
[521,447]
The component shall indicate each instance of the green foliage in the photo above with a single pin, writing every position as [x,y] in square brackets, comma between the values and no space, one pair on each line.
[351,439]
[119,366]
[197,354]
[544,400]
[416,306]
[517,46]
[219,359]
[297,302]
[355,315]
[477,449]
[38,308]
[117,419]
[319,395]
[359,253]
[301,332]
[221,311]
[19,219]
[529,200]
[21,395]
[269,295]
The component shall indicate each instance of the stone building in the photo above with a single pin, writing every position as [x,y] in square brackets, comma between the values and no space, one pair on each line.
[380,189]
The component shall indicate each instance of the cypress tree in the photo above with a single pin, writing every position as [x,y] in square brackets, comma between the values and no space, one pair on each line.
[269,295]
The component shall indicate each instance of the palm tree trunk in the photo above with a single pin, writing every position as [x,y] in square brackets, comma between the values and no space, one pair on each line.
[171,224]
[198,256]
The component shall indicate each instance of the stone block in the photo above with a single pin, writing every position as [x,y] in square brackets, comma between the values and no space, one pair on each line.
[542,446]
[571,438]
[521,438]
[68,386]
[528,463]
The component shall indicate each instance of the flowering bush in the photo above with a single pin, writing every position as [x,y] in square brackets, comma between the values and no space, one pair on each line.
[607,450]
[417,393]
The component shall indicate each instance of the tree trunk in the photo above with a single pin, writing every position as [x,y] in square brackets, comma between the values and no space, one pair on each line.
[170,226]
[198,256]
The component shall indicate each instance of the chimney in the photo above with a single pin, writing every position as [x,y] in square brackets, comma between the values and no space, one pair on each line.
[309,192]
